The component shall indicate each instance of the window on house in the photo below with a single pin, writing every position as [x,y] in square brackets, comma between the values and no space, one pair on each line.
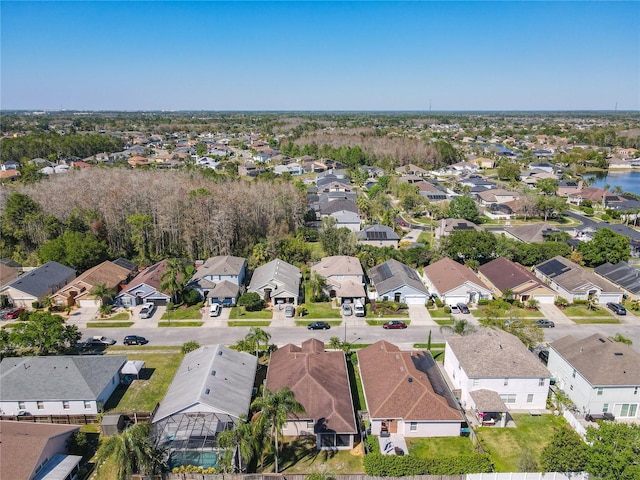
[571,387]
[453,374]
[309,424]
[605,408]
[21,405]
[87,404]
[635,391]
[628,409]
[40,405]
[574,373]
[476,382]
[541,382]
[506,382]
[509,398]
[413,426]
[600,391]
[530,398]
[65,405]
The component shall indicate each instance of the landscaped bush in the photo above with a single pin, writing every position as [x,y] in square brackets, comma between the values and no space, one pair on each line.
[387,307]
[439,302]
[251,301]
[483,301]
[35,305]
[447,309]
[373,445]
[191,297]
[376,464]
[302,311]
[581,302]
[587,210]
[561,302]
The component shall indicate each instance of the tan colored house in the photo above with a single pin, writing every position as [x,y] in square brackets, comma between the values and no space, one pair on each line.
[454,283]
[448,225]
[344,276]
[79,291]
[502,274]
[320,382]
[497,195]
[406,394]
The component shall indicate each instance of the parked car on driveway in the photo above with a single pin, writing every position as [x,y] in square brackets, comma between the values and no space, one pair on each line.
[13,313]
[617,308]
[135,340]
[543,323]
[454,308]
[147,310]
[289,311]
[394,324]
[319,326]
[346,309]
[463,308]
[214,310]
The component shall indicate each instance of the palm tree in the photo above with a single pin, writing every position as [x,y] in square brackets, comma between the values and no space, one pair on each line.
[258,337]
[173,278]
[239,443]
[103,293]
[132,451]
[461,327]
[273,411]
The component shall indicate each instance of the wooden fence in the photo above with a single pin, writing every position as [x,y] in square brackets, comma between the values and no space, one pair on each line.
[137,417]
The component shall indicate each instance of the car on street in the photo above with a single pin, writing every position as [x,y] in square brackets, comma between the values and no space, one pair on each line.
[463,308]
[100,340]
[394,324]
[617,308]
[346,309]
[214,310]
[135,340]
[543,323]
[289,311]
[147,310]
[319,326]
[13,313]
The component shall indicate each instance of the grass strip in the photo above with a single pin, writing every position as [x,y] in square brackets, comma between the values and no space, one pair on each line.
[180,324]
[110,324]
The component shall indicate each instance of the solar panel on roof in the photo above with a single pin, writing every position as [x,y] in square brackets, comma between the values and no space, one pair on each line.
[553,268]
[384,272]
[377,235]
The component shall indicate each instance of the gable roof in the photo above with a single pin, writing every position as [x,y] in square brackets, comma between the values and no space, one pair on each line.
[447,274]
[151,276]
[23,444]
[447,225]
[622,274]
[320,382]
[490,353]
[601,361]
[333,206]
[280,271]
[531,233]
[107,272]
[393,274]
[224,289]
[227,376]
[405,385]
[224,265]
[572,277]
[505,274]
[57,377]
[377,232]
[45,279]
[338,265]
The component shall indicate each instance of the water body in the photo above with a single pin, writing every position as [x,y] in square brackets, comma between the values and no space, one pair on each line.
[628,180]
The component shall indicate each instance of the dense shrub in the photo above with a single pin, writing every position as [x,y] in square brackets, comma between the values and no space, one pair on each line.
[191,296]
[439,303]
[373,445]
[376,464]
[251,301]
[561,302]
[483,301]
[581,302]
[447,309]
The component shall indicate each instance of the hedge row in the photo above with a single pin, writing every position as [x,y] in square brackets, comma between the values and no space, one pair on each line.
[379,465]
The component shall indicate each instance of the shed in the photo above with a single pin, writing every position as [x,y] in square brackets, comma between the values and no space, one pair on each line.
[112,424]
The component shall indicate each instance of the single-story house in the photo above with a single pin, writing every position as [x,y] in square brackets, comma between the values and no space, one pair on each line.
[406,394]
[397,282]
[277,282]
[344,276]
[8,271]
[79,291]
[378,236]
[209,393]
[625,276]
[58,385]
[598,374]
[455,283]
[219,279]
[494,360]
[502,275]
[146,288]
[347,219]
[531,233]
[572,282]
[497,195]
[320,382]
[448,225]
[37,451]
[33,286]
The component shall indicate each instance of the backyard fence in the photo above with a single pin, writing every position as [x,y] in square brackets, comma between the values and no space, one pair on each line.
[529,476]
[136,417]
[284,476]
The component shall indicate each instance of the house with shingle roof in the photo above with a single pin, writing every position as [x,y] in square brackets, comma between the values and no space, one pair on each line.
[532,232]
[33,286]
[58,385]
[448,225]
[79,291]
[145,288]
[378,236]
[598,374]
[320,382]
[494,360]
[277,282]
[395,281]
[37,451]
[625,276]
[344,276]
[406,393]
[502,275]
[219,279]
[210,393]
[454,283]
[572,282]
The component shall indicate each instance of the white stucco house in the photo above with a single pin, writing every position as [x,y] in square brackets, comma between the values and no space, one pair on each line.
[219,279]
[397,282]
[598,374]
[277,282]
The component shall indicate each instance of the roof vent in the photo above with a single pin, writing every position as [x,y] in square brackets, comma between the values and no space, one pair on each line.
[220,352]
[618,354]
[213,373]
[207,391]
[602,340]
[410,379]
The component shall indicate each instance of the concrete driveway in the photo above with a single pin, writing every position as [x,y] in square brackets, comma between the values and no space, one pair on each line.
[419,315]
[553,313]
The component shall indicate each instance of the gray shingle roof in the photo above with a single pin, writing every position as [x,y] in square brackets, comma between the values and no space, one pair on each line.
[622,274]
[393,274]
[57,378]
[221,265]
[572,277]
[280,271]
[217,376]
[47,278]
[490,353]
[377,232]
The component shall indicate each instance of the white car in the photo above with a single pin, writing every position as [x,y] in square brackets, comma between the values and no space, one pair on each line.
[214,310]
[289,311]
[147,310]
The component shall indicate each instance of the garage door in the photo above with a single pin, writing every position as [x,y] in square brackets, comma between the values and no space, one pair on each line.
[415,300]
[547,299]
[452,300]
[159,302]
[605,298]
[88,303]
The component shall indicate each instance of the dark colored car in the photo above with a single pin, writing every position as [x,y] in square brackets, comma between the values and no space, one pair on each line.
[319,326]
[135,340]
[14,313]
[543,323]
[544,356]
[394,324]
[463,308]
[617,308]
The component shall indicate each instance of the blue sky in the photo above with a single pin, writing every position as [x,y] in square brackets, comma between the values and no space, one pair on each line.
[453,55]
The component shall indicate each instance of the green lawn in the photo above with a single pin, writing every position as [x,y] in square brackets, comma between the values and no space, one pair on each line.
[249,323]
[177,323]
[320,310]
[240,313]
[593,320]
[439,313]
[505,445]
[142,395]
[118,316]
[583,311]
[433,447]
[109,324]
[184,313]
[444,322]
[511,313]
[434,346]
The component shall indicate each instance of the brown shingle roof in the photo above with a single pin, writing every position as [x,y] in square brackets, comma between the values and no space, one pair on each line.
[319,381]
[601,361]
[405,385]
[532,233]
[447,274]
[506,274]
